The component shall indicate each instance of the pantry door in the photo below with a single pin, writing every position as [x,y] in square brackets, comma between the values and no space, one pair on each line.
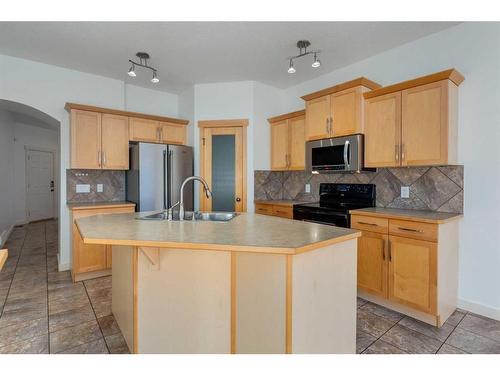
[39,184]
[223,164]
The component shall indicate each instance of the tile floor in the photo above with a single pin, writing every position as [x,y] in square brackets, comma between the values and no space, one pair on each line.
[42,311]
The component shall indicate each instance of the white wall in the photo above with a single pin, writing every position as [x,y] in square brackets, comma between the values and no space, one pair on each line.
[472,48]
[7,175]
[26,135]
[47,88]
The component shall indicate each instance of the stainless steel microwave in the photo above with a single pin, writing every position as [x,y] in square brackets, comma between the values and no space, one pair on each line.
[333,155]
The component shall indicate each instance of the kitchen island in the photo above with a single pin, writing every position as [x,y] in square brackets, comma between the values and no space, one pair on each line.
[255,284]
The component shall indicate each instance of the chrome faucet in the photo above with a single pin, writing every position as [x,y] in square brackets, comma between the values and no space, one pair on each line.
[208,193]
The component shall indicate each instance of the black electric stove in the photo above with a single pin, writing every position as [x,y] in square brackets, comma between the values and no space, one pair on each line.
[335,201]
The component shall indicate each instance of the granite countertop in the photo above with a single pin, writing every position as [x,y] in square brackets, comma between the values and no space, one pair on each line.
[278,202]
[85,205]
[246,232]
[411,215]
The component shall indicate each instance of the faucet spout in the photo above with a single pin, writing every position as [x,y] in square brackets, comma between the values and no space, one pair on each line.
[208,193]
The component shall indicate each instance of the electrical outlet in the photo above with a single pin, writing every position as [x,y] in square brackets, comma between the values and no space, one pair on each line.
[405,192]
[100,188]
[308,188]
[82,188]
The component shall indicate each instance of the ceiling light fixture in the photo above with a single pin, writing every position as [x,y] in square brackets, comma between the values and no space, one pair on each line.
[302,46]
[143,63]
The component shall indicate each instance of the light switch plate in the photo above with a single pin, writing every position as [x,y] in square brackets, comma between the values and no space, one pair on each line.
[100,188]
[405,192]
[308,188]
[82,188]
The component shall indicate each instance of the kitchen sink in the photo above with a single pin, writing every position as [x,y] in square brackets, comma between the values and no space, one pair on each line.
[188,216]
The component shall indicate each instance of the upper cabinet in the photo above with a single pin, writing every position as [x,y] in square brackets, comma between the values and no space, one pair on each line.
[338,110]
[100,136]
[288,141]
[413,123]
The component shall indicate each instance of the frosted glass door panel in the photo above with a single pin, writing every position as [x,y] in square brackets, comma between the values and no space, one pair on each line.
[223,172]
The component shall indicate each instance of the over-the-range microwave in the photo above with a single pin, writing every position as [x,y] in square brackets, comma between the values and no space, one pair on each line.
[333,155]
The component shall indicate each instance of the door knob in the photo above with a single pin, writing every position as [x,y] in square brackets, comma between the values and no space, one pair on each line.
[238,199]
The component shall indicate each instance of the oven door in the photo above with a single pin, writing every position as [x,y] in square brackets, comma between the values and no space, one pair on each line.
[338,219]
[341,154]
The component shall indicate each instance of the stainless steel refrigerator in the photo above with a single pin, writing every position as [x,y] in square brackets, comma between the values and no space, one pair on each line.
[156,174]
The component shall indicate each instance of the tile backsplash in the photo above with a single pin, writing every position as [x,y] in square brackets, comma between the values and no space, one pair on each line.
[431,188]
[113,185]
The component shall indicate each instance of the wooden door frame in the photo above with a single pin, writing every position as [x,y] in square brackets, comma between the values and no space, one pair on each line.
[232,123]
[27,149]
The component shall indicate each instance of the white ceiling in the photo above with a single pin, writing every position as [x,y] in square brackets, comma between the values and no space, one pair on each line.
[186,53]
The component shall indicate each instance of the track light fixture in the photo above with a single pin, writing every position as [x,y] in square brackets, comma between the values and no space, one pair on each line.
[302,46]
[143,63]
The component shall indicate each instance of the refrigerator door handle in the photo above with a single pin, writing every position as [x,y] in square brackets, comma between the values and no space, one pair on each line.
[171,172]
[165,187]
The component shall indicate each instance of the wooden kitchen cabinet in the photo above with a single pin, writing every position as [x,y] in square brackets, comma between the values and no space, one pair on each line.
[413,273]
[338,110]
[408,265]
[413,123]
[98,141]
[89,260]
[275,208]
[172,133]
[144,130]
[288,141]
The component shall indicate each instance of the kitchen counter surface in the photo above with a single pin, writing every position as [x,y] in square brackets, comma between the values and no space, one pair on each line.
[411,215]
[284,203]
[246,232]
[87,205]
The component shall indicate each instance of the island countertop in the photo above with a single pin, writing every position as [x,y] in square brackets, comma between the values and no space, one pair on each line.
[246,232]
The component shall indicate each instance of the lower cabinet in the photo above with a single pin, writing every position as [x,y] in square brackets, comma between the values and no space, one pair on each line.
[401,272]
[91,261]
[275,209]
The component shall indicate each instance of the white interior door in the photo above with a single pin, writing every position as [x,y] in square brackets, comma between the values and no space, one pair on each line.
[39,184]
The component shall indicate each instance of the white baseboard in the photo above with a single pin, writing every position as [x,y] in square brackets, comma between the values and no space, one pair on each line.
[480,309]
[5,234]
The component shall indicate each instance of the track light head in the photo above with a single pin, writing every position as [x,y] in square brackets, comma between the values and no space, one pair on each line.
[316,63]
[155,78]
[131,71]
[291,69]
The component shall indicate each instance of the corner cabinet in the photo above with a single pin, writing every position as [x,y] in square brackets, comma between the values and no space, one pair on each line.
[413,123]
[100,136]
[89,260]
[408,266]
[338,110]
[288,141]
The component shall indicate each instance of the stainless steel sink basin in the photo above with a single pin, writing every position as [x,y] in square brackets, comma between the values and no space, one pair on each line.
[188,216]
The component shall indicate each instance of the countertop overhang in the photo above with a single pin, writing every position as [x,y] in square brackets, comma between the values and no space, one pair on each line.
[247,232]
[424,216]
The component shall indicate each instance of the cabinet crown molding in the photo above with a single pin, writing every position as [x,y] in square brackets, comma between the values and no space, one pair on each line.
[287,116]
[451,74]
[361,81]
[83,107]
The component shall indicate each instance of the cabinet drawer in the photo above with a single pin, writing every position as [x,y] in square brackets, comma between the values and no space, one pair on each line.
[412,229]
[370,223]
[264,209]
[286,212]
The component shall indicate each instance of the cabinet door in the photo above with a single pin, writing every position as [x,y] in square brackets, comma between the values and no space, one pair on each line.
[109,256]
[279,145]
[115,137]
[172,133]
[85,140]
[372,264]
[424,135]
[88,258]
[383,130]
[144,130]
[413,273]
[346,112]
[317,117]
[297,143]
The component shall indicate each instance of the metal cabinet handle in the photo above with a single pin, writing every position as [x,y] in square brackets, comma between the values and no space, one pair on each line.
[389,247]
[364,223]
[331,125]
[411,230]
[328,125]
[383,249]
[402,152]
[104,158]
[161,134]
[397,152]
[99,160]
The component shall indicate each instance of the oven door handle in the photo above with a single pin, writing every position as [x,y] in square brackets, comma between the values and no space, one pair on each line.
[346,151]
[320,212]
